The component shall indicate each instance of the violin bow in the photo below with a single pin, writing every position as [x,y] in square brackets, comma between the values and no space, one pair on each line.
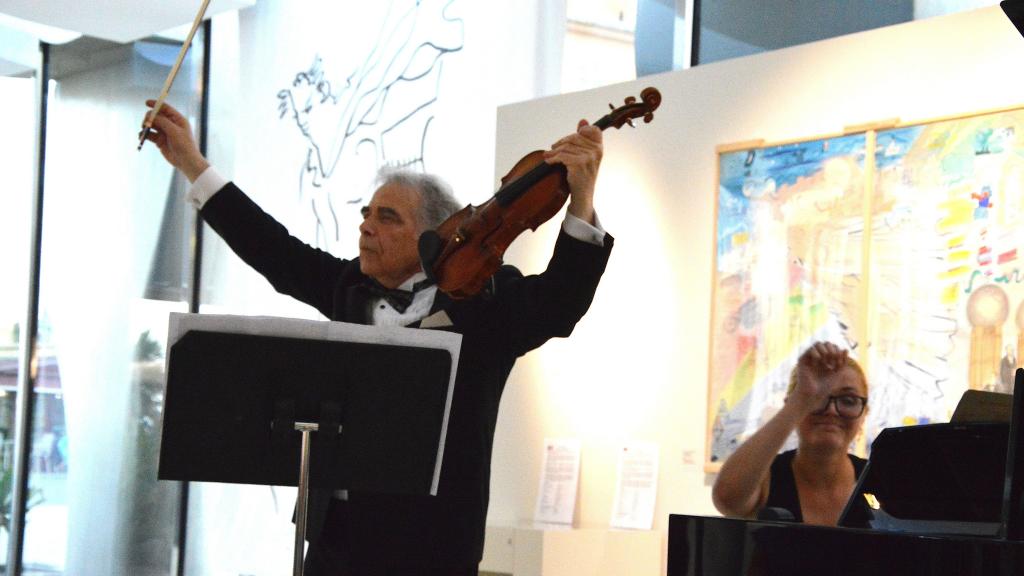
[147,126]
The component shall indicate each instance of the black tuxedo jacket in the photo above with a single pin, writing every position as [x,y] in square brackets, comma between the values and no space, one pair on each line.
[516,314]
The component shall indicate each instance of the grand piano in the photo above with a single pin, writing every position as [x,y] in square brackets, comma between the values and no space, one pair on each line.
[945,499]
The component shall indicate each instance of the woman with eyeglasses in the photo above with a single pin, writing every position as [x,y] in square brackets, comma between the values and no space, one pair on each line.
[826,404]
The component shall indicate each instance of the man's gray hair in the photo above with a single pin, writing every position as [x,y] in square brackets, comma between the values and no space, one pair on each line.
[437,202]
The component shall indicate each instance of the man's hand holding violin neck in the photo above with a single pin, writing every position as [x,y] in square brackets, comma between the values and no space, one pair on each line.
[172,134]
[580,153]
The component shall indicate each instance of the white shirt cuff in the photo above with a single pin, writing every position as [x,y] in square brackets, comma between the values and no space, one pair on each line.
[209,183]
[581,229]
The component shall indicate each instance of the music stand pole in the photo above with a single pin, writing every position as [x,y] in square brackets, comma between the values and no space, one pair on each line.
[303,497]
[300,518]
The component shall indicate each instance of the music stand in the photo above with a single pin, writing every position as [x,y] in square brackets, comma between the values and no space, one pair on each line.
[244,394]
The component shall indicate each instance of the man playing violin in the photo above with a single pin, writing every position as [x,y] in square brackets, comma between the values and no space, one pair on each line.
[362,533]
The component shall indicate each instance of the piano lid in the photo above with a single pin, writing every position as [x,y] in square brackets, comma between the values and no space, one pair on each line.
[934,479]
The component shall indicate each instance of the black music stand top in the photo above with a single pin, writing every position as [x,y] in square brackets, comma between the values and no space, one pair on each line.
[236,386]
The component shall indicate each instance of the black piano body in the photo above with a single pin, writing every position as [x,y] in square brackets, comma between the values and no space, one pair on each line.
[712,546]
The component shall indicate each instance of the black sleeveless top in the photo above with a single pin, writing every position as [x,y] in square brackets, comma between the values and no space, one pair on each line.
[782,489]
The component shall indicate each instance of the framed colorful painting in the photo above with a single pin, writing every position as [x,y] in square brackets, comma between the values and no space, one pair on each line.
[908,256]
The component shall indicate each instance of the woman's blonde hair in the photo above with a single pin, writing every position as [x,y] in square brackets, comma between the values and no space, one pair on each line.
[850,363]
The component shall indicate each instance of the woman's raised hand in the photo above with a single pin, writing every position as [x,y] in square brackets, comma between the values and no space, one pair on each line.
[811,391]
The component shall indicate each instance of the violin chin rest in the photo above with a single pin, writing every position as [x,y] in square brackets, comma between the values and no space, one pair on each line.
[429,248]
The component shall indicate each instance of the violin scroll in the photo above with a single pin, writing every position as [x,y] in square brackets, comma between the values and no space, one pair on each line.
[650,99]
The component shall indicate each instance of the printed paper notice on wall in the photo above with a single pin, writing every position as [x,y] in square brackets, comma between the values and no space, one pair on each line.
[636,486]
[559,479]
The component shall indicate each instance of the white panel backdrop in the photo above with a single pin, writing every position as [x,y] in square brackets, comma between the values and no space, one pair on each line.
[636,367]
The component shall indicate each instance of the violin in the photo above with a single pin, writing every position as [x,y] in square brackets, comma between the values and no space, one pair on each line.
[467,248]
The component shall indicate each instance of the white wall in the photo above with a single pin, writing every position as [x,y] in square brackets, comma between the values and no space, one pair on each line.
[636,367]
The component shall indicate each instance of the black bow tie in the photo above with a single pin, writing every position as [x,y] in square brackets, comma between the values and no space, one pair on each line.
[398,299]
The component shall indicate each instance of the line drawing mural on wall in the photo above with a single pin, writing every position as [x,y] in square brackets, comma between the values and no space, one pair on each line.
[910,257]
[379,114]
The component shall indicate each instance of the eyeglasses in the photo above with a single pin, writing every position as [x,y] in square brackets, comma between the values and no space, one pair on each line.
[847,406]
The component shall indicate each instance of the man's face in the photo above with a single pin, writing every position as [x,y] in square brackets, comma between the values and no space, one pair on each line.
[388,235]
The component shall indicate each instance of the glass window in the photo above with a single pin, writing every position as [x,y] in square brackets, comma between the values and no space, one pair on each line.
[734,29]
[115,262]
[16,148]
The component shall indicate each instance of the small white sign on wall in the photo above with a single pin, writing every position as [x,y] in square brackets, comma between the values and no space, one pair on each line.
[636,486]
[559,480]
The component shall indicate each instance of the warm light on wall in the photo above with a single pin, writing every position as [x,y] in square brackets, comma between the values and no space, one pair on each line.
[600,384]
